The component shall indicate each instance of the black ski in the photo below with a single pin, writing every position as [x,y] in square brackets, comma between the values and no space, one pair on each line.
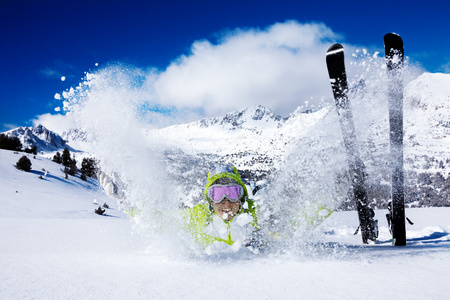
[394,52]
[338,79]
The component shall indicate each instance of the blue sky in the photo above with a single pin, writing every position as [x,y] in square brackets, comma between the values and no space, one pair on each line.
[41,41]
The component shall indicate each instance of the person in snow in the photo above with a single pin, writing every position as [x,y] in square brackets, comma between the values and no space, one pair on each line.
[228,218]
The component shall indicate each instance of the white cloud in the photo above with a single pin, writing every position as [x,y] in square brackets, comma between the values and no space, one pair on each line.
[56,123]
[279,67]
[51,73]
[59,69]
[446,68]
[8,126]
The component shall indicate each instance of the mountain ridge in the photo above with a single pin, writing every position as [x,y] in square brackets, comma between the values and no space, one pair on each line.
[44,139]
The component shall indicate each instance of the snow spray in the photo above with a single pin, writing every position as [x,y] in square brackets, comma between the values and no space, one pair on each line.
[117,109]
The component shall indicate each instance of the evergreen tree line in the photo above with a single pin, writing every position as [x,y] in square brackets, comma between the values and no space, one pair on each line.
[88,165]
[14,144]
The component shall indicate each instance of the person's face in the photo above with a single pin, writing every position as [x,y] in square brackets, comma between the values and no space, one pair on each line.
[226,209]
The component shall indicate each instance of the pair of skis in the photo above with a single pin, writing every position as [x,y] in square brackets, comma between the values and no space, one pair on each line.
[338,78]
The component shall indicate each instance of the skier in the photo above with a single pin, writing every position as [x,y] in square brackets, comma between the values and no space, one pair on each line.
[228,218]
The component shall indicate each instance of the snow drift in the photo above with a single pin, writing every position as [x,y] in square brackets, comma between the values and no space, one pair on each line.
[54,246]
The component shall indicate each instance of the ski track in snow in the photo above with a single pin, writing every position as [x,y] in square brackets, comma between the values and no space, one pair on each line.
[53,246]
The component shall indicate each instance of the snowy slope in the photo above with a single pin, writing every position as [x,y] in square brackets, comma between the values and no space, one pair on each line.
[24,194]
[54,247]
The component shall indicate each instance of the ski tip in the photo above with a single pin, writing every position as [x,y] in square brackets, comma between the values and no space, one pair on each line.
[393,45]
[393,38]
[392,34]
[335,49]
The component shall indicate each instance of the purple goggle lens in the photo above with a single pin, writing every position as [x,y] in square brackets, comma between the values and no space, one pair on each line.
[232,192]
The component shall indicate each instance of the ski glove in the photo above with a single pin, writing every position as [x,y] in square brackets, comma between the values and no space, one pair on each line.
[109,186]
[254,242]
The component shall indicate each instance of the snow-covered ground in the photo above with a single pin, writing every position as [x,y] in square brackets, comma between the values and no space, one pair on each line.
[53,246]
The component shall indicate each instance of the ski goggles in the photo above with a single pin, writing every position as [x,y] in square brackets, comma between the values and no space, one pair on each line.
[232,192]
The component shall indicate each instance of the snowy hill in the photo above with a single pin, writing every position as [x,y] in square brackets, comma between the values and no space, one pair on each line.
[53,246]
[25,194]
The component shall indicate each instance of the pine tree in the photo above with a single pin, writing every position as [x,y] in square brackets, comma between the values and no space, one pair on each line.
[32,150]
[88,167]
[24,164]
[57,158]
[73,166]
[3,141]
[16,145]
[66,157]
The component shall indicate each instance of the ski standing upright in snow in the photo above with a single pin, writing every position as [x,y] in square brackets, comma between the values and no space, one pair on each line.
[338,79]
[394,53]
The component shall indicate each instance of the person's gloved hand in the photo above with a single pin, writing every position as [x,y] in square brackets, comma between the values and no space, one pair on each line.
[253,242]
[109,186]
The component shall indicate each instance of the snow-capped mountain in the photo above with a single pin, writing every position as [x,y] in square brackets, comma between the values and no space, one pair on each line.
[45,140]
[74,134]
[258,131]
[78,139]
[427,130]
[252,118]
[253,138]
[259,142]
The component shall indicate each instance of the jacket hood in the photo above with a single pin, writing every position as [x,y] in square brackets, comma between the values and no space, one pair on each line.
[225,172]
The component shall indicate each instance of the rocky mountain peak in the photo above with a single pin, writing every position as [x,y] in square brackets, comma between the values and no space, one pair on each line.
[39,136]
[244,119]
